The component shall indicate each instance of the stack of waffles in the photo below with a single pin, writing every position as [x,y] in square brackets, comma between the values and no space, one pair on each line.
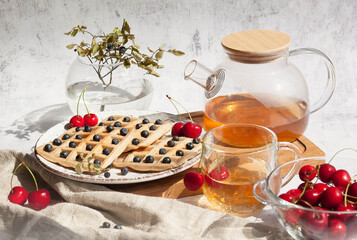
[120,141]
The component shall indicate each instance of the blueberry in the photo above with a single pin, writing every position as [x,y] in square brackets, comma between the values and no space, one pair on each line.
[110,165]
[138,126]
[110,118]
[117,226]
[72,144]
[144,134]
[137,159]
[110,128]
[65,137]
[158,122]
[162,151]
[196,141]
[117,124]
[135,141]
[110,46]
[149,159]
[79,137]
[189,145]
[79,157]
[115,141]
[106,225]
[89,147]
[87,129]
[124,131]
[122,49]
[124,171]
[166,160]
[48,148]
[101,124]
[126,119]
[145,121]
[170,143]
[63,154]
[179,153]
[79,129]
[106,151]
[96,138]
[153,128]
[176,138]
[107,175]
[57,142]
[97,161]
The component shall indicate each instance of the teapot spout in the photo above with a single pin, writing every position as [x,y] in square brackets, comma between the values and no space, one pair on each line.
[204,77]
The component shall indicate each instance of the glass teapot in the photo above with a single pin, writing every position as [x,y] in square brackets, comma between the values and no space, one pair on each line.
[258,85]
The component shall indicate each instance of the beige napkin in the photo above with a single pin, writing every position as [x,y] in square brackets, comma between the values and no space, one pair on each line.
[78,210]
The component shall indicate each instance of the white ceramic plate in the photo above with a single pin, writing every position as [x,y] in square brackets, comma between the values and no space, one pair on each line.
[115,175]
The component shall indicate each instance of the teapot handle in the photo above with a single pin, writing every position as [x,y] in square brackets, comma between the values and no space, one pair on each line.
[331,78]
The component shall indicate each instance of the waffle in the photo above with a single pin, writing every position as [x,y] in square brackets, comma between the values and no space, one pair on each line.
[157,159]
[77,150]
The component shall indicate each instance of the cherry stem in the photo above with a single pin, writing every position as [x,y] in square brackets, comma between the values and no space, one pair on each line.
[181,106]
[14,174]
[79,98]
[85,101]
[174,106]
[33,176]
[341,151]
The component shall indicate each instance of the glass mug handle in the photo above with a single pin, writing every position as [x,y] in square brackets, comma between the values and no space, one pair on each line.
[297,154]
[331,78]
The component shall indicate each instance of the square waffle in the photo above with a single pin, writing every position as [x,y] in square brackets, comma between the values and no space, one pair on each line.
[166,153]
[106,141]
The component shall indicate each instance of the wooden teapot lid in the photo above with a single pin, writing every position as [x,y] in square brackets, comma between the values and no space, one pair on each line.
[256,45]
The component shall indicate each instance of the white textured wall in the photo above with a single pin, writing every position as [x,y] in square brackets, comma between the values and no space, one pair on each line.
[34,60]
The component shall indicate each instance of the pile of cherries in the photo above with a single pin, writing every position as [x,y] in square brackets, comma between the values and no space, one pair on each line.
[326,189]
[37,200]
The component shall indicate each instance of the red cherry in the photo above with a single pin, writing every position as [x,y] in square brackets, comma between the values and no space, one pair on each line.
[286,197]
[314,222]
[341,178]
[302,186]
[325,172]
[292,216]
[337,229]
[76,121]
[344,208]
[307,173]
[191,130]
[312,196]
[177,129]
[193,180]
[331,197]
[295,192]
[18,195]
[320,186]
[219,173]
[352,191]
[90,119]
[39,199]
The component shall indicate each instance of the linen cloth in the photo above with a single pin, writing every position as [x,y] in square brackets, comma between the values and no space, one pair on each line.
[78,210]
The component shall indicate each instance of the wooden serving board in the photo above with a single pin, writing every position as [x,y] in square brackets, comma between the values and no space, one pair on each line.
[173,187]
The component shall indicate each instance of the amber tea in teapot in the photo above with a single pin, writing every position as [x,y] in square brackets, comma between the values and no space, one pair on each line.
[257,84]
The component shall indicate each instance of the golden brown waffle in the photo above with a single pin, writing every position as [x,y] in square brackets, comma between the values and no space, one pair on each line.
[150,159]
[123,129]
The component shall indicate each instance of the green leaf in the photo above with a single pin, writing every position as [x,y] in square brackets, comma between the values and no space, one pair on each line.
[67,33]
[95,49]
[125,27]
[74,32]
[176,52]
[79,168]
[117,31]
[159,54]
[154,73]
[70,46]
[137,56]
[127,63]
[150,50]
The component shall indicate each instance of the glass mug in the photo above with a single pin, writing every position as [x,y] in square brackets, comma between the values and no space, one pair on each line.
[234,158]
